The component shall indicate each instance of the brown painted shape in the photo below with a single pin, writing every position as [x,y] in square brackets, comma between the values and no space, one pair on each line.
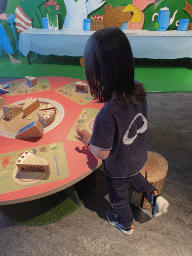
[188,8]
[190,26]
[114,17]
[82,62]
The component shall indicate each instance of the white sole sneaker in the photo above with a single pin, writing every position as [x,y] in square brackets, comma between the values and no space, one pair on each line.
[160,207]
[112,219]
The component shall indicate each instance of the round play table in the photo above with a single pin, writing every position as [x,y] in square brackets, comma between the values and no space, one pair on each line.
[68,158]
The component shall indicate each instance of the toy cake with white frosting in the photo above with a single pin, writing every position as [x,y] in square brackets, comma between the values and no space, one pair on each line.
[29,162]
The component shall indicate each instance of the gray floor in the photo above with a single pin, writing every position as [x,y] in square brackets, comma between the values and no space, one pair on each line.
[87,232]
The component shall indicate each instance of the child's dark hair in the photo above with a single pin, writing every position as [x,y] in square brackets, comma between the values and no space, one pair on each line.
[109,67]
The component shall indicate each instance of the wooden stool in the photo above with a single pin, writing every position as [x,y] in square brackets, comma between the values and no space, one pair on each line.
[155,171]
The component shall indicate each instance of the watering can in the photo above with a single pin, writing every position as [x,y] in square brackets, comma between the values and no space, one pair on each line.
[164,18]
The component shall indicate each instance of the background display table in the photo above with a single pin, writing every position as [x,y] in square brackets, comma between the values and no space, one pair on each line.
[145,44]
[68,158]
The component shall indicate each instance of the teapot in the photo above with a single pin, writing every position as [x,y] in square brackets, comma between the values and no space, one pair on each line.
[164,18]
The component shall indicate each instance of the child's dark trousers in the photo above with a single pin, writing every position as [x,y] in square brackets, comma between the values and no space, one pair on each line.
[119,196]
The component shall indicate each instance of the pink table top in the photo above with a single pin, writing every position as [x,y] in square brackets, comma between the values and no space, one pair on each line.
[80,162]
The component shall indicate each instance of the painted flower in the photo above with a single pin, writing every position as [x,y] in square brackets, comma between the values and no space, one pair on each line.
[80,121]
[54,3]
[43,149]
[50,2]
[54,147]
[52,8]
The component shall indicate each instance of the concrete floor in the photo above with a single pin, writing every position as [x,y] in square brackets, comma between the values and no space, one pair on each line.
[87,231]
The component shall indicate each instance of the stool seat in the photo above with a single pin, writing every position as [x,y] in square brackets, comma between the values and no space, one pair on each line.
[155,171]
[155,168]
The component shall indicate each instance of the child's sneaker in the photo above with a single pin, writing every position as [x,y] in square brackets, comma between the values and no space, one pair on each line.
[112,217]
[159,204]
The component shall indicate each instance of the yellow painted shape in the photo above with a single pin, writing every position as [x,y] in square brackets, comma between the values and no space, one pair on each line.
[137,16]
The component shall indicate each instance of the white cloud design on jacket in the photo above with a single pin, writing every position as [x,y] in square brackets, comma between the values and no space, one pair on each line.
[126,139]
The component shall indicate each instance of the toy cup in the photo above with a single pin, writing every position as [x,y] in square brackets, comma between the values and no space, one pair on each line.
[182,24]
[45,23]
[87,24]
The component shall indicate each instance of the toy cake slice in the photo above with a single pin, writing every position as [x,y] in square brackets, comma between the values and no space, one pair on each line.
[34,129]
[31,81]
[81,87]
[46,107]
[30,105]
[2,102]
[46,117]
[10,111]
[29,162]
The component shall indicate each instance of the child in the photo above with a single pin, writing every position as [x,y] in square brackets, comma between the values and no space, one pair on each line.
[120,128]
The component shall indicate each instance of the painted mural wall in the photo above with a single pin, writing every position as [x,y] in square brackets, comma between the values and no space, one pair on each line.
[36,10]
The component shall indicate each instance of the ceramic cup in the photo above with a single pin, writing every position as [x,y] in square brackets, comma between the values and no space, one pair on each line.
[87,24]
[182,24]
[124,26]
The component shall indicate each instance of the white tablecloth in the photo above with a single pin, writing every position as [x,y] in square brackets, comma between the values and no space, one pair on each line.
[145,44]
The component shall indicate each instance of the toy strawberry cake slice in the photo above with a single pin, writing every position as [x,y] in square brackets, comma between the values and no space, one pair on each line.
[46,117]
[29,162]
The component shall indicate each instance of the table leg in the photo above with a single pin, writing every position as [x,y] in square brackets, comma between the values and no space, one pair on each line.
[28,58]
[72,193]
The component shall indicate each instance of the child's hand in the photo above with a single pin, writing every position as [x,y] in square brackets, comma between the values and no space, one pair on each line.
[3,17]
[84,136]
